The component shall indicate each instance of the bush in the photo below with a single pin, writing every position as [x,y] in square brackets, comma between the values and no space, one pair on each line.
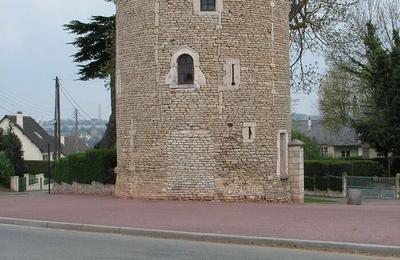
[338,167]
[368,168]
[327,167]
[6,170]
[395,165]
[60,171]
[312,150]
[93,165]
[36,167]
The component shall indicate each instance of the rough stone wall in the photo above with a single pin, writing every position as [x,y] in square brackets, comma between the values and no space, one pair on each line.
[296,171]
[95,188]
[188,143]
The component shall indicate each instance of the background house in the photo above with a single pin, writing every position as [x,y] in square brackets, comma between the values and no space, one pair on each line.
[35,139]
[341,142]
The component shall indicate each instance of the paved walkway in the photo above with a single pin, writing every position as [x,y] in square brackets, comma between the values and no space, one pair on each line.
[372,223]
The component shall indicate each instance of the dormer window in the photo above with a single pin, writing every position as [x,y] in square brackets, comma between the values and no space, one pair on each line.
[207,5]
[185,69]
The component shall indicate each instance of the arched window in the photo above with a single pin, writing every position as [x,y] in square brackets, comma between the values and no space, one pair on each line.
[185,69]
[207,5]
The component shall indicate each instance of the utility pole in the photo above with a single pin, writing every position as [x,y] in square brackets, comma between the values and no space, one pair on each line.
[57,123]
[76,117]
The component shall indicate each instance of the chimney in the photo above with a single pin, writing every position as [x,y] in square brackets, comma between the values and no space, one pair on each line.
[20,119]
[309,123]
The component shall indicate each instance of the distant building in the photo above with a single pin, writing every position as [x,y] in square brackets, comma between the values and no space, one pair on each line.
[342,142]
[72,144]
[35,139]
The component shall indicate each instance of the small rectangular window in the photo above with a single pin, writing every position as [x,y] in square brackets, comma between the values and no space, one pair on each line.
[249,132]
[324,152]
[207,5]
[231,74]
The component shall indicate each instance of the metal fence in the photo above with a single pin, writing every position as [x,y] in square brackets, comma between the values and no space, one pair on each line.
[323,183]
[373,187]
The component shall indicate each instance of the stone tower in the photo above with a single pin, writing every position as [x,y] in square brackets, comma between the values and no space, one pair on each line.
[203,99]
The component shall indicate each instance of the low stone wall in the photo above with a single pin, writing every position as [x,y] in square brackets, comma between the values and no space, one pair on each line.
[95,188]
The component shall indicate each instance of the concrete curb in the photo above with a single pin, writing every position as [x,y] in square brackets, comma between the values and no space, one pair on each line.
[378,250]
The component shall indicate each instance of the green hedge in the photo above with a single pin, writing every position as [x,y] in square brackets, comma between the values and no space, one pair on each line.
[338,167]
[395,165]
[323,183]
[93,165]
[36,167]
[6,170]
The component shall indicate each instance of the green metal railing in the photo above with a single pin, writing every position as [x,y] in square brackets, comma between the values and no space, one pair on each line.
[32,180]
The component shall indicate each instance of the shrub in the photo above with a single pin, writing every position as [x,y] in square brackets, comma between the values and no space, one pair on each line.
[395,164]
[367,168]
[327,167]
[93,165]
[334,167]
[6,170]
[312,150]
[36,167]
[60,171]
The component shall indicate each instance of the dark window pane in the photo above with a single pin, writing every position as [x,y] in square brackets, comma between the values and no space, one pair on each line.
[207,5]
[185,69]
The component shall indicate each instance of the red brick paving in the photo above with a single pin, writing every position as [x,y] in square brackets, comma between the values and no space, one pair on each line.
[374,223]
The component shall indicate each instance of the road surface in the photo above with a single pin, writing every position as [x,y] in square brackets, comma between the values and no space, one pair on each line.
[46,244]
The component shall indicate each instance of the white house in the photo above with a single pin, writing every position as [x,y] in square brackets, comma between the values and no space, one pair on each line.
[33,137]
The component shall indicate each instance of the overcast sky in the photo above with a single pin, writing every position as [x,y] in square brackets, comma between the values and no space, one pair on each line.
[33,51]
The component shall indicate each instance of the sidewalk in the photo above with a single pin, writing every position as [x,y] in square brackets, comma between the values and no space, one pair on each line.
[368,224]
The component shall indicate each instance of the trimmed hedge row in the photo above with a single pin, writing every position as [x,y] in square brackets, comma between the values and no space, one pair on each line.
[323,183]
[93,165]
[395,164]
[36,167]
[338,167]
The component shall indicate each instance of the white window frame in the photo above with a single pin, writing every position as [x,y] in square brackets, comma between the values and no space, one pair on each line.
[172,77]
[219,7]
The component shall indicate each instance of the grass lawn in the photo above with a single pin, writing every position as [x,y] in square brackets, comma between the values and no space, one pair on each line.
[314,200]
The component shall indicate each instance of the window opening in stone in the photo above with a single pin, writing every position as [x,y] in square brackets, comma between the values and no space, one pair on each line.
[207,5]
[282,155]
[233,75]
[185,69]
[250,133]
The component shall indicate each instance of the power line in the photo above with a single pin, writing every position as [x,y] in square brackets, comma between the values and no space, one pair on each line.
[20,104]
[64,90]
[24,100]
[5,109]
[74,106]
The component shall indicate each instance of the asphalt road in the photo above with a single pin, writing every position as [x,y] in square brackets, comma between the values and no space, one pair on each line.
[45,244]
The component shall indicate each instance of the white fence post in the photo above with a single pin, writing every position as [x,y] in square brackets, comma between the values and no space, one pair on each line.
[344,183]
[26,175]
[14,183]
[40,178]
[398,186]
